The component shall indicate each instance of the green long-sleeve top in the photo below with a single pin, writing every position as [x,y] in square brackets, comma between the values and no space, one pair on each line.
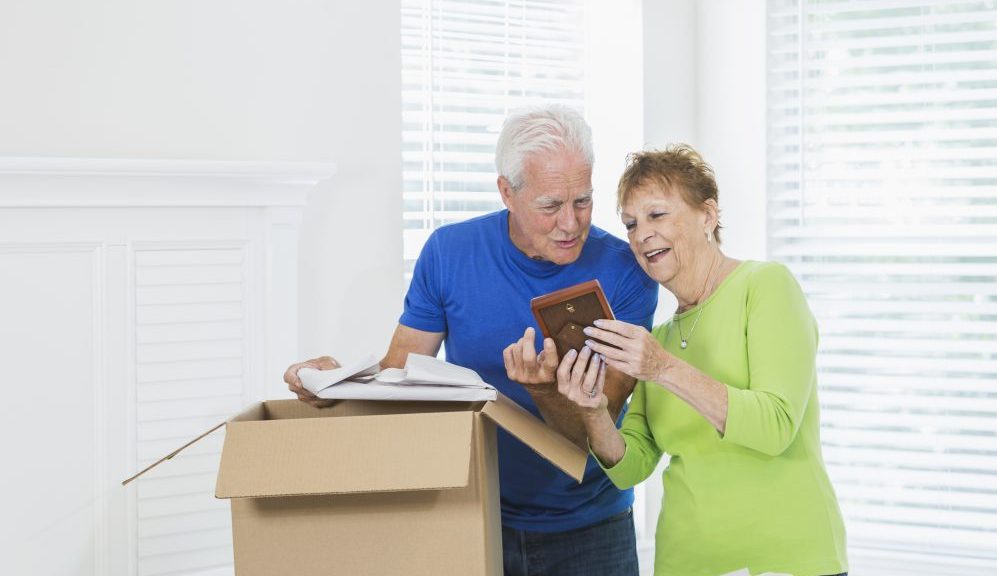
[757,496]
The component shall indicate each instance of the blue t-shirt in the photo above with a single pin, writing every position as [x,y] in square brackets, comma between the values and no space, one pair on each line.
[472,283]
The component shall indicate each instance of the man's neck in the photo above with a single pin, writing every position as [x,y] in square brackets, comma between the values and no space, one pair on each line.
[521,242]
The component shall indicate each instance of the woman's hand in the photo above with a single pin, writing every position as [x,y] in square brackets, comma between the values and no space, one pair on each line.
[637,353]
[581,377]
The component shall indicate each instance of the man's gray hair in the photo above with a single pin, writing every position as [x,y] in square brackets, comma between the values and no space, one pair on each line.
[540,129]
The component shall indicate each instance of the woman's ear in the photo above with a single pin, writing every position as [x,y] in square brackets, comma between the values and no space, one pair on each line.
[711,211]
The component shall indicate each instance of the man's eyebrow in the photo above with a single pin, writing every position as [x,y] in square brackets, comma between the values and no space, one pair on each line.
[547,200]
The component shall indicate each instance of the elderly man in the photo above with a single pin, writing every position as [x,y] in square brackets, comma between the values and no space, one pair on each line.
[472,288]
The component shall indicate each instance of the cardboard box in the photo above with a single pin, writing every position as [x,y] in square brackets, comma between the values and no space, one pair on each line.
[368,487]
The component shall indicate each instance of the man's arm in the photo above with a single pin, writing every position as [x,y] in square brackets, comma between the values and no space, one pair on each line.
[537,374]
[405,340]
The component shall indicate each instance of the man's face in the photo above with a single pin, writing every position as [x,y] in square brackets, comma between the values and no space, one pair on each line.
[549,217]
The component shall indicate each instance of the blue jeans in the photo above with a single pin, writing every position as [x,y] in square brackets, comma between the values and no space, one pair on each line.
[606,548]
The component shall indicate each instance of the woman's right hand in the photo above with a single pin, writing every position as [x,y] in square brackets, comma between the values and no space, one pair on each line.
[294,383]
[630,349]
[581,377]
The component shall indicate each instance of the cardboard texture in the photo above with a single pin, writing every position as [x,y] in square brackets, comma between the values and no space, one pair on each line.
[433,452]
[368,487]
[546,442]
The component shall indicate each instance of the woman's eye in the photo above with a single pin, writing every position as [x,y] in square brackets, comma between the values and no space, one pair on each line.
[629,225]
[656,215]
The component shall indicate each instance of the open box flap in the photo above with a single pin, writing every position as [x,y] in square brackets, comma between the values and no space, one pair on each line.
[252,412]
[554,447]
[346,455]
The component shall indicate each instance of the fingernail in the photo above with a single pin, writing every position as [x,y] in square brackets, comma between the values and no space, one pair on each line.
[572,352]
[598,323]
[589,343]
[588,330]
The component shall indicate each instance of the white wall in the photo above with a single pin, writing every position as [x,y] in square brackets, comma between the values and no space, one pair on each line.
[704,83]
[670,72]
[614,99]
[302,80]
[731,116]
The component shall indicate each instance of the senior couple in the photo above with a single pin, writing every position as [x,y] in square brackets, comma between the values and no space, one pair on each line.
[726,387]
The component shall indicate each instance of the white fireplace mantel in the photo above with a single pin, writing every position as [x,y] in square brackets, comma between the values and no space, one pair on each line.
[141,302]
[107,182]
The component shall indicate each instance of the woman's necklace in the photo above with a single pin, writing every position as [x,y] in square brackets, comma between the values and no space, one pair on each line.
[683,341]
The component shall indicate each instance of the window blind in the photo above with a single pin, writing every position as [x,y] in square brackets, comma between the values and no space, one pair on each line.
[882,199]
[465,65]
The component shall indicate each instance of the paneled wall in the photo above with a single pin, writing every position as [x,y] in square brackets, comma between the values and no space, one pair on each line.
[141,303]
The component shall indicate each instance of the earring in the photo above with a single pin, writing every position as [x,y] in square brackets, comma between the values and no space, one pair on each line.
[709,238]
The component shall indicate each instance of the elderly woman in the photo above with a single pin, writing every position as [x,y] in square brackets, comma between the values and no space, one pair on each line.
[727,388]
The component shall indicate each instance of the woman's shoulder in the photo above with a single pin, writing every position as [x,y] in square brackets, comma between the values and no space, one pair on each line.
[772,282]
[762,268]
[752,276]
[762,272]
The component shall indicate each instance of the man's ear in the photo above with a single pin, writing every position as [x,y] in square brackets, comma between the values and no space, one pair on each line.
[506,191]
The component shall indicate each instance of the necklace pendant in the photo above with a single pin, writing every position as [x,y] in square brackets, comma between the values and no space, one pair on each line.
[684,344]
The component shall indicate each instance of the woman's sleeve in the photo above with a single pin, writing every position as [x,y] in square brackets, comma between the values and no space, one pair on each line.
[782,350]
[642,454]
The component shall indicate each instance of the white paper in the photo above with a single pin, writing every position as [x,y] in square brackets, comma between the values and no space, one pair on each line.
[317,380]
[422,369]
[423,378]
[375,390]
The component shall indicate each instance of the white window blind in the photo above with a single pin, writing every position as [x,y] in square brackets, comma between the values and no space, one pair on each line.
[465,65]
[882,178]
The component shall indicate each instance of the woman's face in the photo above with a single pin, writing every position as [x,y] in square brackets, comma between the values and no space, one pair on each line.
[666,234]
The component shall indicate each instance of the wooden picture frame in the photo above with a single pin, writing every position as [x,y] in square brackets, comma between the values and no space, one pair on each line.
[563,314]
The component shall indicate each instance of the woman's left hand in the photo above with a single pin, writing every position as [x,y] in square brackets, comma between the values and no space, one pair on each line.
[637,353]
[581,378]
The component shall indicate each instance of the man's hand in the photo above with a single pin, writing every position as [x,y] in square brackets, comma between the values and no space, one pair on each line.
[294,383]
[524,365]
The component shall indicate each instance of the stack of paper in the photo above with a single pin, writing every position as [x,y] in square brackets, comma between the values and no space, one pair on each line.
[423,378]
